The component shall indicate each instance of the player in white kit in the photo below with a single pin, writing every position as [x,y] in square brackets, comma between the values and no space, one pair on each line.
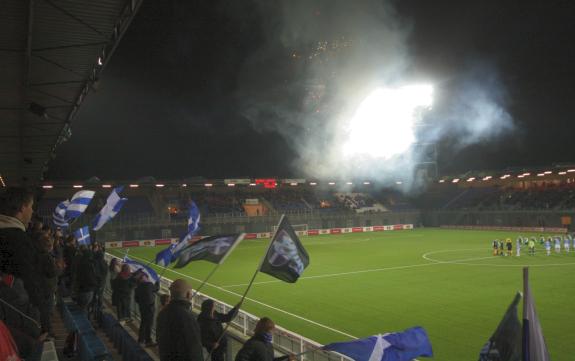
[548,246]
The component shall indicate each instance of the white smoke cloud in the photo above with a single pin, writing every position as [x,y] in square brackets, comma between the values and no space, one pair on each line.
[321,59]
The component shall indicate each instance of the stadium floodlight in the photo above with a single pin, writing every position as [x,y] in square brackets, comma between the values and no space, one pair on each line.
[562,173]
[2,181]
[331,183]
[252,184]
[208,185]
[570,170]
[520,176]
[134,185]
[398,182]
[184,185]
[442,181]
[160,185]
[77,186]
[384,123]
[100,61]
[366,183]
[526,174]
[486,178]
[541,175]
[47,186]
[548,172]
[456,180]
[106,186]
[349,183]
[471,179]
[312,183]
[293,184]
[231,184]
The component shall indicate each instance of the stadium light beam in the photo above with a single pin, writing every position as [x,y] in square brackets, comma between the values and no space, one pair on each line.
[383,124]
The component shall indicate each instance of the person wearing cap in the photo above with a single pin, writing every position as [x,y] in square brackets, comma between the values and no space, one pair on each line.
[259,347]
[177,331]
[212,331]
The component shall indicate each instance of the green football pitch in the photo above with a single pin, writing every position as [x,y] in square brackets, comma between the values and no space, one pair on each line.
[362,284]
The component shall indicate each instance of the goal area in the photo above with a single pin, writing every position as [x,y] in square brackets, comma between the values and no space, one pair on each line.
[296,227]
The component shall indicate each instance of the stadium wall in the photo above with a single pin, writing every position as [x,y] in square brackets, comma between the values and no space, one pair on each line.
[516,219]
[154,228]
[309,232]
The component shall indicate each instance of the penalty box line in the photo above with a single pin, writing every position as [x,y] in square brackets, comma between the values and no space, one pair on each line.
[258,302]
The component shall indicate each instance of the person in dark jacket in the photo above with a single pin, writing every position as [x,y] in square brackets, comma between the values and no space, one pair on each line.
[177,330]
[122,287]
[210,322]
[69,253]
[85,279]
[145,297]
[46,267]
[21,317]
[17,253]
[259,347]
[101,268]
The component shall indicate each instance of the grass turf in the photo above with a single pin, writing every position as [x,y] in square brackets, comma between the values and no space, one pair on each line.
[369,283]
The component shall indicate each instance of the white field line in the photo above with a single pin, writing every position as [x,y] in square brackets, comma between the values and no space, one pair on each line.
[259,302]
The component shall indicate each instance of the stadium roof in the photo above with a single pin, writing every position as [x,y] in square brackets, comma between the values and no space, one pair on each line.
[51,56]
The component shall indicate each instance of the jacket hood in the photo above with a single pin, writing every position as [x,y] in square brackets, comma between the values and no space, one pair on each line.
[11,222]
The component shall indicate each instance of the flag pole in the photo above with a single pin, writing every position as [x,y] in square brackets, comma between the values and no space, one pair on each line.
[205,280]
[525,338]
[249,286]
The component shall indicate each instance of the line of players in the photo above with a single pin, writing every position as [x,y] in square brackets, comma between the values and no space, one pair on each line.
[501,248]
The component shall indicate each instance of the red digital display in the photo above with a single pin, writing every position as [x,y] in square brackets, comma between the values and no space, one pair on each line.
[269,183]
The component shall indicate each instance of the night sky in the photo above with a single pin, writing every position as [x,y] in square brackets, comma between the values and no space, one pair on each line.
[172,101]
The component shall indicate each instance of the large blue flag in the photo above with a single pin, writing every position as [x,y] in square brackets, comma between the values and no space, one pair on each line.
[171,253]
[78,204]
[113,205]
[137,266]
[399,346]
[59,215]
[83,236]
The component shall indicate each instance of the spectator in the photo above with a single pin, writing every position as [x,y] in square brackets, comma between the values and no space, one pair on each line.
[164,300]
[178,331]
[210,322]
[85,277]
[122,288]
[20,317]
[48,271]
[101,269]
[69,254]
[145,297]
[259,347]
[17,253]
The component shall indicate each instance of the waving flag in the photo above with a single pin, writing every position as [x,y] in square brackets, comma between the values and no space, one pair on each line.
[59,215]
[286,258]
[83,236]
[534,346]
[164,257]
[137,266]
[505,343]
[212,249]
[78,204]
[399,346]
[113,205]
[171,253]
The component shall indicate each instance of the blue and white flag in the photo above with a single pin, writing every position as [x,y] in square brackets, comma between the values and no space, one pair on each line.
[399,346]
[59,215]
[113,205]
[164,257]
[137,266]
[171,253]
[83,236]
[78,204]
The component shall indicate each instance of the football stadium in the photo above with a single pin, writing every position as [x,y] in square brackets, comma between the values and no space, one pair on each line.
[303,180]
